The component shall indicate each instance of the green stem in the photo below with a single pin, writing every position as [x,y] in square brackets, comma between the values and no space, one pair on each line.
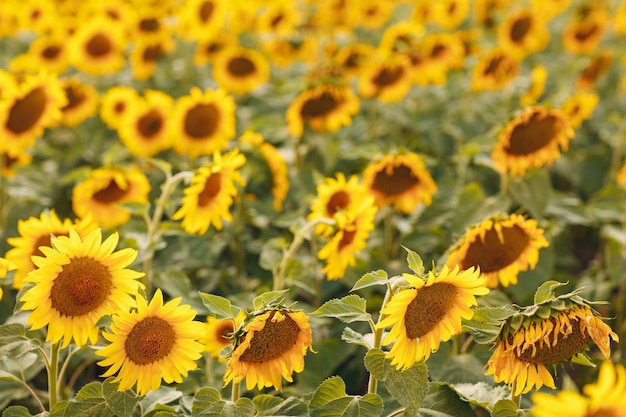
[398,412]
[388,234]
[34,395]
[53,373]
[372,385]
[66,363]
[515,398]
[235,392]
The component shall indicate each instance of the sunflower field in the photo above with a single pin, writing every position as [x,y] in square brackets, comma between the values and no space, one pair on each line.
[320,208]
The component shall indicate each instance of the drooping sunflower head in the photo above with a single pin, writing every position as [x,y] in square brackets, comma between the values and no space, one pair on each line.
[501,247]
[270,346]
[531,140]
[552,331]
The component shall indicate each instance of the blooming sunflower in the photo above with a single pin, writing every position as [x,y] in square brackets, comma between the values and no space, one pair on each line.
[372,14]
[584,32]
[207,50]
[523,31]
[604,397]
[501,247]
[212,191]
[146,53]
[594,70]
[579,107]
[46,51]
[436,55]
[5,267]
[532,140]
[77,282]
[429,312]
[449,14]
[494,69]
[240,70]
[154,342]
[102,193]
[388,79]
[203,122]
[354,58]
[270,346]
[550,8]
[217,336]
[278,18]
[115,104]
[36,232]
[401,180]
[552,331]
[11,159]
[283,52]
[200,20]
[537,86]
[82,101]
[325,108]
[97,46]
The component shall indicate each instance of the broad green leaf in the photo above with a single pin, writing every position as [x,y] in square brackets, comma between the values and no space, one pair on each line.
[59,408]
[156,399]
[164,166]
[16,411]
[14,342]
[347,309]
[415,262]
[370,405]
[92,407]
[204,399]
[264,402]
[486,323]
[354,337]
[504,408]
[329,390]
[375,363]
[292,407]
[161,410]
[270,258]
[546,291]
[443,401]
[408,387]
[270,298]
[121,402]
[378,277]
[243,407]
[219,306]
[532,191]
[91,390]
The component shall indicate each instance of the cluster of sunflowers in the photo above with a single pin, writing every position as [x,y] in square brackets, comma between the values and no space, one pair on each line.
[255,161]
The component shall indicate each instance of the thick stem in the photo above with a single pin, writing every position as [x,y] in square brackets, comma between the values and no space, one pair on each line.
[53,373]
[372,385]
[515,398]
[235,392]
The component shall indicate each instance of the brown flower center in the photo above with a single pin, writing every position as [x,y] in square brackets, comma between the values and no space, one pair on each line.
[206,11]
[51,52]
[490,254]
[223,331]
[99,46]
[27,111]
[337,201]
[212,187]
[75,97]
[586,32]
[319,106]
[119,108]
[44,240]
[533,134]
[520,29]
[393,181]
[428,308]
[81,287]
[112,193]
[152,53]
[388,76]
[273,341]
[150,124]
[201,121]
[240,66]
[563,347]
[149,25]
[347,238]
[150,340]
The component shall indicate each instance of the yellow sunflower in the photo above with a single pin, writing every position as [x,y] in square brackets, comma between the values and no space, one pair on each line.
[116,103]
[579,107]
[152,343]
[550,8]
[101,194]
[82,101]
[372,14]
[278,18]
[217,336]
[207,50]
[212,191]
[531,140]
[36,232]
[449,14]
[436,55]
[5,267]
[325,108]
[604,397]
[429,312]
[78,281]
[145,130]
[494,70]
[388,79]
[203,122]
[486,12]
[400,36]
[270,346]
[240,70]
[201,20]
[283,52]
[501,247]
[522,32]
[542,335]
[97,47]
[11,159]
[537,86]
[619,20]
[401,180]
[46,51]
[594,70]
[583,33]
[620,177]
[354,58]
[146,53]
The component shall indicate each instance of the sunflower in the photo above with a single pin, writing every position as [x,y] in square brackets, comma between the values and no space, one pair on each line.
[152,343]
[102,194]
[278,18]
[325,108]
[401,180]
[270,346]
[400,37]
[501,247]
[217,336]
[537,86]
[97,47]
[203,122]
[145,130]
[276,164]
[620,177]
[201,20]
[429,312]
[388,79]
[523,31]
[372,14]
[437,54]
[604,397]
[27,109]
[116,103]
[354,58]
[78,281]
[494,70]
[579,107]
[146,53]
[240,70]
[550,8]
[283,52]
[449,14]
[546,333]
[82,101]
[212,191]
[11,159]
[583,34]
[486,11]
[46,51]
[5,267]
[207,50]
[594,70]
[619,20]
[36,232]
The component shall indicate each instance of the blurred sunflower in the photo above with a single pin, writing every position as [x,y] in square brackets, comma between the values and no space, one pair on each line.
[115,104]
[594,70]
[278,18]
[46,51]
[147,24]
[13,158]
[579,107]
[494,70]
[354,58]
[152,343]
[207,50]
[9,24]
[537,86]
[522,32]
[500,247]
[604,397]
[5,267]
[401,36]
[78,281]
[450,14]
[619,20]
[372,14]
[217,336]
[102,194]
[532,140]
[270,346]
[428,312]
[212,191]
[35,233]
[97,47]
[325,108]
[486,12]
[146,53]
[144,130]
[547,333]
[240,70]
[388,78]
[550,8]
[401,180]
[201,20]
[438,54]
[585,31]
[82,101]
[283,52]
[36,16]
[203,122]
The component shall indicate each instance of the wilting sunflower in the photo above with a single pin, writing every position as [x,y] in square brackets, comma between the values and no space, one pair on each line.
[401,180]
[494,70]
[351,231]
[594,70]
[212,191]
[152,343]
[501,247]
[201,20]
[522,32]
[546,334]
[146,53]
[325,108]
[102,194]
[32,105]
[145,130]
[579,107]
[537,86]
[36,232]
[97,47]
[276,164]
[604,397]
[116,103]
[11,159]
[240,70]
[203,122]
[78,281]
[388,79]
[82,101]
[531,140]
[270,346]
[429,312]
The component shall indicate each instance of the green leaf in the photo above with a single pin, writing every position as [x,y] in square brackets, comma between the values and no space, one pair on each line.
[91,390]
[504,408]
[329,390]
[370,405]
[443,401]
[121,402]
[486,323]
[270,298]
[533,191]
[378,277]
[205,398]
[16,411]
[220,307]
[59,408]
[408,387]
[156,399]
[415,262]
[546,291]
[375,363]
[292,406]
[264,402]
[348,309]
[14,342]
[243,407]
[89,402]
[351,336]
